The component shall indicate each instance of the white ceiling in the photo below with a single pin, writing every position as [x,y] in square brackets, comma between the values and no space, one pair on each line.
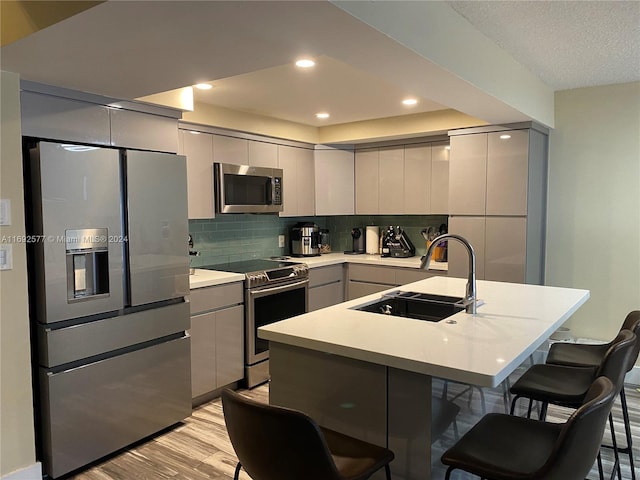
[129,49]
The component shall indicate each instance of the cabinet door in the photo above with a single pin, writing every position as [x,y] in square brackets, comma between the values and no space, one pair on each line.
[360,289]
[473,229]
[143,131]
[334,182]
[263,154]
[507,172]
[506,248]
[367,180]
[203,353]
[230,150]
[299,188]
[229,349]
[45,116]
[417,179]
[439,179]
[305,181]
[467,174]
[326,295]
[391,180]
[198,148]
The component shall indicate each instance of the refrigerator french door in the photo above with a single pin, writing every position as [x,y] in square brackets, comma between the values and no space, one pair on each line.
[108,276]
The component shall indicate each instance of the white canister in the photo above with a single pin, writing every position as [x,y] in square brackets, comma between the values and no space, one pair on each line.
[372,239]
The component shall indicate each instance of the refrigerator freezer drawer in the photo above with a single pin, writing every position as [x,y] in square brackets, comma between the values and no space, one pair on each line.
[94,410]
[64,345]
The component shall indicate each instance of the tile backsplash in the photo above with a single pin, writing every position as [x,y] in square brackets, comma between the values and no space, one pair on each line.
[235,237]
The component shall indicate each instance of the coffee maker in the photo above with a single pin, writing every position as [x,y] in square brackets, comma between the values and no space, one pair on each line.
[305,240]
[357,236]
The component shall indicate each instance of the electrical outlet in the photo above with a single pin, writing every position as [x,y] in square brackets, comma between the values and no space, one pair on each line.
[5,211]
[281,241]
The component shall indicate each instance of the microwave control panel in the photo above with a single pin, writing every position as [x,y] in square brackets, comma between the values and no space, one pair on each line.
[277,190]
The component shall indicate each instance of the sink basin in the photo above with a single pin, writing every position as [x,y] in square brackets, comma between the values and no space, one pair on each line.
[419,306]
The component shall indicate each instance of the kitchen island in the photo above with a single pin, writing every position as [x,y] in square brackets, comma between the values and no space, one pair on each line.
[372,375]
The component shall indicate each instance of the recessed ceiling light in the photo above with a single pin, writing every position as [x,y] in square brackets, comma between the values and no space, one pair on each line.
[505,137]
[448,147]
[409,101]
[203,86]
[322,115]
[305,63]
[193,132]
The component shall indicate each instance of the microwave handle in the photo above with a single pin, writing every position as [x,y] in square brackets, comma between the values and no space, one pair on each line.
[270,191]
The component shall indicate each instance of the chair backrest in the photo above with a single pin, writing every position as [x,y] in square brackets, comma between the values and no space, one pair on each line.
[632,323]
[276,443]
[616,359]
[579,441]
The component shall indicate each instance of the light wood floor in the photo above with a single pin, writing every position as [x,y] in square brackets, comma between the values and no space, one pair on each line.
[199,448]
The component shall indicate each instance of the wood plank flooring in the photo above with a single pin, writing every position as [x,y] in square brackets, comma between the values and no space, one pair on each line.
[199,447]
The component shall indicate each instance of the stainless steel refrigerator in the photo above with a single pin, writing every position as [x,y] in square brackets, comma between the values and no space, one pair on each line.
[108,273]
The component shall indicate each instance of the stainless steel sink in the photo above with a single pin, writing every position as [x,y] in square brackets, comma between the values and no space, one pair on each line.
[419,306]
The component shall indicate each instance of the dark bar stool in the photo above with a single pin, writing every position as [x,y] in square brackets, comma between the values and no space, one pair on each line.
[277,443]
[567,386]
[589,355]
[505,447]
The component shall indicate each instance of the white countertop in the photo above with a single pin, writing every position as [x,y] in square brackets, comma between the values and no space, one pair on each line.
[483,350]
[209,278]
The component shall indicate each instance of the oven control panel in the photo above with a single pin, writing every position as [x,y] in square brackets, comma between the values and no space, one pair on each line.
[278,276]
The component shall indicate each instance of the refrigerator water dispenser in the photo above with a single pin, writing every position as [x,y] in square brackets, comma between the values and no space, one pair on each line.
[87,263]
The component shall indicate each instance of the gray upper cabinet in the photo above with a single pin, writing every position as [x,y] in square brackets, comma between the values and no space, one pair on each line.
[143,131]
[230,150]
[198,148]
[57,118]
[391,180]
[334,181]
[507,172]
[417,179]
[439,179]
[467,175]
[263,154]
[299,181]
[367,181]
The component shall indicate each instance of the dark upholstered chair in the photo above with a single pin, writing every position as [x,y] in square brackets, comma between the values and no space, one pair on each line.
[588,355]
[505,447]
[567,386]
[276,443]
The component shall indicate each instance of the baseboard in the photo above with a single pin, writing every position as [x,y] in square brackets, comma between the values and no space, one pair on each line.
[633,377]
[32,472]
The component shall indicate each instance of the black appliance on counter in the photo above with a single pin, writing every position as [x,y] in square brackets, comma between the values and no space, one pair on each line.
[273,291]
[397,244]
[357,235]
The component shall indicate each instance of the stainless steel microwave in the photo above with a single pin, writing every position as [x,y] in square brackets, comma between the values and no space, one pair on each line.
[247,189]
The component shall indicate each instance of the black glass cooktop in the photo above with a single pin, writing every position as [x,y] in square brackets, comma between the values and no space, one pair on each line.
[249,266]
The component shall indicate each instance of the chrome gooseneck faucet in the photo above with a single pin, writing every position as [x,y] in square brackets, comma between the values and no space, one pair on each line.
[470,297]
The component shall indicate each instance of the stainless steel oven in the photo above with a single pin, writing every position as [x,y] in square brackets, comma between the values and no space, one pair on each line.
[274,291]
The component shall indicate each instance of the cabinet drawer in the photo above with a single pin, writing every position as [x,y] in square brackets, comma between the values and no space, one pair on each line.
[360,289]
[324,275]
[372,274]
[213,298]
[409,275]
[326,295]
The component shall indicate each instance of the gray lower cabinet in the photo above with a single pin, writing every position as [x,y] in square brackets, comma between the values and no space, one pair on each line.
[217,338]
[326,286]
[368,279]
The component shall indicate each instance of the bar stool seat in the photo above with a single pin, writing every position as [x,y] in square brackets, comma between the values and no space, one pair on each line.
[505,447]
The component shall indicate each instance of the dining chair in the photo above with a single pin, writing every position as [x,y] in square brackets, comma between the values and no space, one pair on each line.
[590,355]
[507,447]
[278,443]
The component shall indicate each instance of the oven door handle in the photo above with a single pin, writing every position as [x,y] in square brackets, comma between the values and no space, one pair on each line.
[280,288]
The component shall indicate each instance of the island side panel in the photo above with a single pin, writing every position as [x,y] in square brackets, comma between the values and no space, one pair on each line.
[346,395]
[409,422]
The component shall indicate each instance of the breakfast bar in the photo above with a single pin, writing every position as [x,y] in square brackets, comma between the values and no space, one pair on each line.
[373,376]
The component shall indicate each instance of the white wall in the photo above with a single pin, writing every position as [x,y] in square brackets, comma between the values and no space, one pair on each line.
[17,444]
[593,227]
